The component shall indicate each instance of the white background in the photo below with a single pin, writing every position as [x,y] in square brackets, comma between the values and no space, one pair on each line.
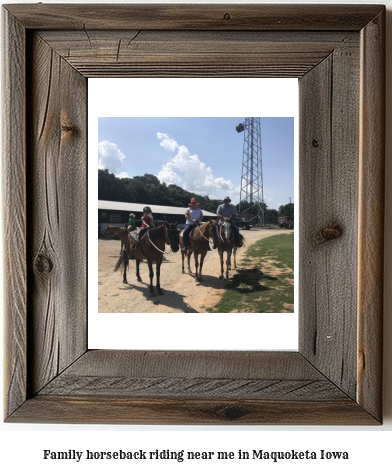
[21,446]
[125,97]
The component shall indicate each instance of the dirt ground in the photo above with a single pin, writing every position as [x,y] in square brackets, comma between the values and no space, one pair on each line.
[182,294]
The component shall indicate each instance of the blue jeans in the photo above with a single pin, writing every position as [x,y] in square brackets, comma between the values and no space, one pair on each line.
[187,231]
[236,233]
[142,231]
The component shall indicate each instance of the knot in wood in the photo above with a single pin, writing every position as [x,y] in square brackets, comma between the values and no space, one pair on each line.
[43,264]
[69,128]
[227,16]
[232,413]
[328,233]
[315,143]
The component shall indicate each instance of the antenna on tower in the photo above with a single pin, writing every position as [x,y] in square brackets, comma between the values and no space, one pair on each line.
[251,193]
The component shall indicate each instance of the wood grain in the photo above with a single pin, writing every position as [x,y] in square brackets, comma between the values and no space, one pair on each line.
[14,212]
[194,17]
[153,411]
[57,211]
[329,137]
[196,53]
[371,215]
[338,54]
[206,374]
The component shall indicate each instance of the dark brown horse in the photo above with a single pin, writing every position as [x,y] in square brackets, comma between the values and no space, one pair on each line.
[152,247]
[120,232]
[226,244]
[198,245]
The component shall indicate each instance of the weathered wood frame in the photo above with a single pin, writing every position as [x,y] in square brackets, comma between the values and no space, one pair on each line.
[337,52]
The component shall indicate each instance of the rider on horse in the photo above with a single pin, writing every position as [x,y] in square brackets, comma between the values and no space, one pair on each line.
[147,222]
[227,212]
[131,222]
[194,216]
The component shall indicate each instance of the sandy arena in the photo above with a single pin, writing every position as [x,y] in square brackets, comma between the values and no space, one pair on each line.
[182,294]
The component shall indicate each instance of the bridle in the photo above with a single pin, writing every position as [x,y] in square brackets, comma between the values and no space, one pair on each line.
[167,240]
[222,231]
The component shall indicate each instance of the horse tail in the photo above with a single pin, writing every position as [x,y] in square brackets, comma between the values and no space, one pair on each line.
[120,262]
[243,241]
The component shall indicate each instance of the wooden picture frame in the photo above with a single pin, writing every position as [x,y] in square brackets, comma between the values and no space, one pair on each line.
[338,54]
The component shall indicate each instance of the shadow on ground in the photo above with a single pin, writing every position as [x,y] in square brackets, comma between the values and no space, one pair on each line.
[247,280]
[168,299]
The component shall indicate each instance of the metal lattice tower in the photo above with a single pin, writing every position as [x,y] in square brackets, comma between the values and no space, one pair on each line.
[252,171]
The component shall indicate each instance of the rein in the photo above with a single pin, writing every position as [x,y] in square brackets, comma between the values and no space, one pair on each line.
[201,233]
[167,241]
[221,232]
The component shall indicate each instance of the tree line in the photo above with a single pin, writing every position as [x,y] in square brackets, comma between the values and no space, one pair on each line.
[147,189]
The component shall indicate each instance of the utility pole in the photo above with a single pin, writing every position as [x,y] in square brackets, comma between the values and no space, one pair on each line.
[252,172]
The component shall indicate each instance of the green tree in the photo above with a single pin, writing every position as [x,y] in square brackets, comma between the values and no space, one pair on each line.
[108,189]
[287,210]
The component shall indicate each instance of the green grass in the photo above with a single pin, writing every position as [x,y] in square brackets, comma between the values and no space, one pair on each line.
[265,279]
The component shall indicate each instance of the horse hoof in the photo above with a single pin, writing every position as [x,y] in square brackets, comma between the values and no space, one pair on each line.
[220,277]
[139,279]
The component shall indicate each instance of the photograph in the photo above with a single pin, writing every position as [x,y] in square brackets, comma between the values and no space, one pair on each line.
[196,215]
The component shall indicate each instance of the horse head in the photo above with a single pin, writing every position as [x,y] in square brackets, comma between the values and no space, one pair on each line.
[215,233]
[107,231]
[172,236]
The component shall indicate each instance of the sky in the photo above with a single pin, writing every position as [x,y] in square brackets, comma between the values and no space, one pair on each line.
[203,155]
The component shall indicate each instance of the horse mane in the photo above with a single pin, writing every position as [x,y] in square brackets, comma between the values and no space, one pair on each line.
[157,231]
[201,228]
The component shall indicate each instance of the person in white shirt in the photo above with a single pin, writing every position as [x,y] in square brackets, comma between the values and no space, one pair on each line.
[194,215]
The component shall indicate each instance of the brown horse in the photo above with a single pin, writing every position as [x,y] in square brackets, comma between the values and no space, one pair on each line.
[120,232]
[152,247]
[226,244]
[198,245]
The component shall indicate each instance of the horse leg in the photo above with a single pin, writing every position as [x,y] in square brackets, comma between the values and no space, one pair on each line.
[159,290]
[202,256]
[189,254]
[196,257]
[228,264]
[234,257]
[126,262]
[183,258]
[152,292]
[221,262]
[139,278]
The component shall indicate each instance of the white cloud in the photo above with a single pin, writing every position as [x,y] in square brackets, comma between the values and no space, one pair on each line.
[166,142]
[186,170]
[122,175]
[109,156]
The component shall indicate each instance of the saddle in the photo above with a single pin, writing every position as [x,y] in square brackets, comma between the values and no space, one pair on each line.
[133,235]
[191,234]
[134,242]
